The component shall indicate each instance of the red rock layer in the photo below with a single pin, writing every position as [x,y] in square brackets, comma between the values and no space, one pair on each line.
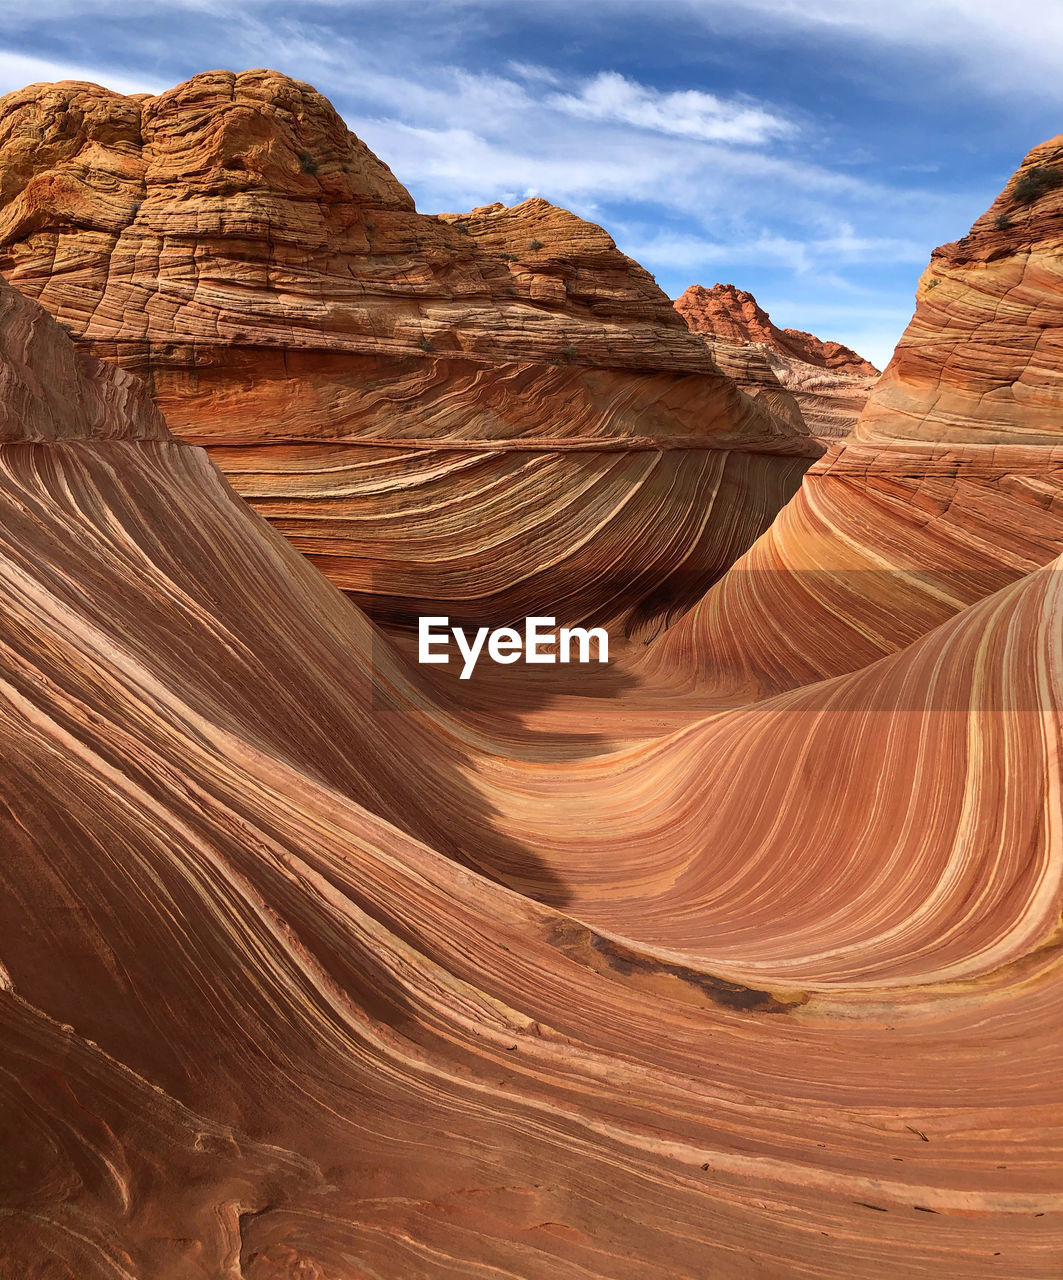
[48,394]
[950,487]
[268,1011]
[231,241]
[826,383]
[980,362]
[735,316]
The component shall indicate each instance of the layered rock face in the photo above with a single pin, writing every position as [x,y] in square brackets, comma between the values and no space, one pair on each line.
[305,973]
[826,384]
[395,392]
[950,486]
[734,316]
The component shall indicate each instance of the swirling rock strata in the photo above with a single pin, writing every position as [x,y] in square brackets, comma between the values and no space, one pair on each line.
[236,245]
[271,1006]
[823,384]
[48,394]
[949,488]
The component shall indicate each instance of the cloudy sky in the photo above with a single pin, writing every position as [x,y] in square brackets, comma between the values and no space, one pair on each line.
[812,151]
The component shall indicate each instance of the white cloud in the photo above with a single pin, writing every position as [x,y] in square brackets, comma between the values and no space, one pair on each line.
[530,71]
[599,174]
[688,113]
[993,47]
[819,254]
[479,137]
[753,189]
[18,70]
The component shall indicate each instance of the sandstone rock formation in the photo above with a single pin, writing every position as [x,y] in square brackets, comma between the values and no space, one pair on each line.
[734,316]
[308,973]
[396,392]
[949,488]
[827,383]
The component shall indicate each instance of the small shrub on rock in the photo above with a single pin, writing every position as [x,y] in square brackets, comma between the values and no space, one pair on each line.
[1037,182]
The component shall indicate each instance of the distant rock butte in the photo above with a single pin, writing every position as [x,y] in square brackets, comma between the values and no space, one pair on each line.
[733,315]
[827,383]
[508,379]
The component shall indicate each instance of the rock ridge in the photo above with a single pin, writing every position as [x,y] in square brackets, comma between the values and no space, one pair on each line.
[822,385]
[235,245]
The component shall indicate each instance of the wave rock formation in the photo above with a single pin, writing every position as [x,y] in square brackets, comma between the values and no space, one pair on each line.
[342,355]
[742,960]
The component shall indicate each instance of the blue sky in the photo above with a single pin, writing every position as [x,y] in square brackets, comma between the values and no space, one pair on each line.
[812,151]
